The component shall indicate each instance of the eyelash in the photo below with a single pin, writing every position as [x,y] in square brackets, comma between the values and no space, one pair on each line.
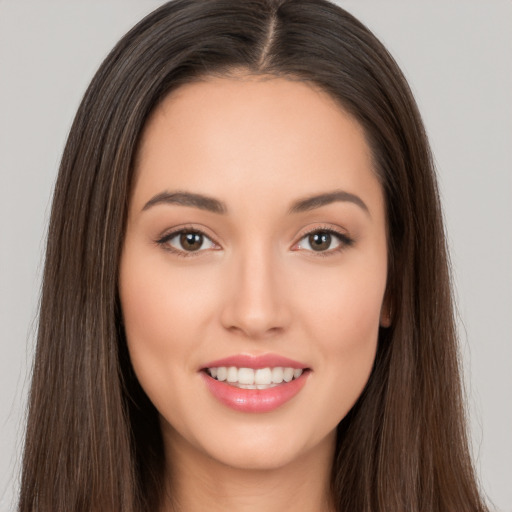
[344,240]
[164,241]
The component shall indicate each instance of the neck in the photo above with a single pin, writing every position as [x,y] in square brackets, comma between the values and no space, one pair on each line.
[196,482]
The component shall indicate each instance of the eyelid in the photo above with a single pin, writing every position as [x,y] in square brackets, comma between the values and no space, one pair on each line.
[168,235]
[345,240]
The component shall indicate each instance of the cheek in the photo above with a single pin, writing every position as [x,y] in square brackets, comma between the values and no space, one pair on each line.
[162,314]
[342,316]
[348,339]
[160,302]
[343,308]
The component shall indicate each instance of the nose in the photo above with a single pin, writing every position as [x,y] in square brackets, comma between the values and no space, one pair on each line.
[255,302]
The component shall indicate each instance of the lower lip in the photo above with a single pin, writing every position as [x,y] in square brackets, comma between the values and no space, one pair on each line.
[254,400]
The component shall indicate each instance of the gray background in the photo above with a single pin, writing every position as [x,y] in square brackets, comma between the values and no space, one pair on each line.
[457,56]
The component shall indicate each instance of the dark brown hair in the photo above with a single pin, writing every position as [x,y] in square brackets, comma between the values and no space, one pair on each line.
[93,440]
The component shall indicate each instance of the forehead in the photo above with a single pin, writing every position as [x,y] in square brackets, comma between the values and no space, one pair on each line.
[249,137]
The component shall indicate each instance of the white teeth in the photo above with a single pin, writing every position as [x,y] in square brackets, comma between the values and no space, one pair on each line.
[262,378]
[246,376]
[288,374]
[255,386]
[232,375]
[277,375]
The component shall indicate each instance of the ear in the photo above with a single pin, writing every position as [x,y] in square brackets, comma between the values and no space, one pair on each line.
[386,311]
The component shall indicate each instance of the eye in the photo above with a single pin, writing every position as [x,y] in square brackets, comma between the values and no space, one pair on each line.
[324,240]
[187,241]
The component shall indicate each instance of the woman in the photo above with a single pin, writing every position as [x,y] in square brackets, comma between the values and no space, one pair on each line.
[255,312]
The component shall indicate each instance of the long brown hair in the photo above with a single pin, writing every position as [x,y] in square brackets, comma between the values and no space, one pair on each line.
[93,440]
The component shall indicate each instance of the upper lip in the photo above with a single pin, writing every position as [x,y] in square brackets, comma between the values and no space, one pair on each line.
[255,362]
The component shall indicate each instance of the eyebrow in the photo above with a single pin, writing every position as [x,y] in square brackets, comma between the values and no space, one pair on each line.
[187,199]
[317,201]
[214,205]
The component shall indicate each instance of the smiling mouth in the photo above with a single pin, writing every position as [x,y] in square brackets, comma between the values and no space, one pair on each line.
[249,378]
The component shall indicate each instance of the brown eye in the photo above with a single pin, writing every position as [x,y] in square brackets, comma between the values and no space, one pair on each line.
[187,241]
[320,241]
[191,241]
[324,241]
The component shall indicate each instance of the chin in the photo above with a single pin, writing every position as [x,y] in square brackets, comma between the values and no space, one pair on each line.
[260,448]
[259,458]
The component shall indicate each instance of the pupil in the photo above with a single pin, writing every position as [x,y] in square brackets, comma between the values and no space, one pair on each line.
[320,241]
[191,241]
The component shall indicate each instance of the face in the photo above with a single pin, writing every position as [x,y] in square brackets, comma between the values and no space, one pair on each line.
[255,253]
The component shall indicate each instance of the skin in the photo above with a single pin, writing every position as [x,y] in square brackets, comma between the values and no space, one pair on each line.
[256,286]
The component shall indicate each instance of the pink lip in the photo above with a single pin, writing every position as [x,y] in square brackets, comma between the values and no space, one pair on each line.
[254,400]
[255,362]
